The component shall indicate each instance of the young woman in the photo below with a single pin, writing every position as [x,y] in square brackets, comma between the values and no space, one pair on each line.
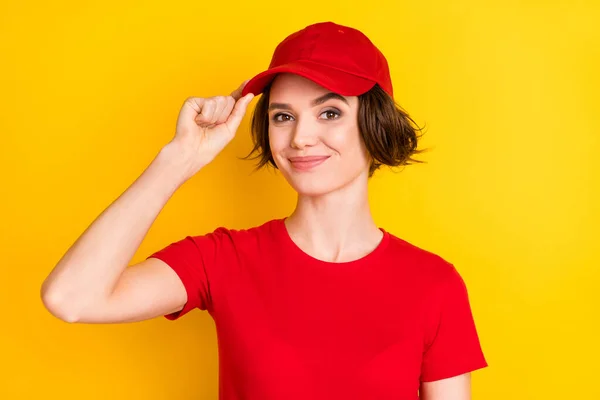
[322,304]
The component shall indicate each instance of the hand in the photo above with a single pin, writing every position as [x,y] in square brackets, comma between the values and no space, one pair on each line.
[206,125]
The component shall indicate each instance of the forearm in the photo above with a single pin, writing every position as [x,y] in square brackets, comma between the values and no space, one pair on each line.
[92,266]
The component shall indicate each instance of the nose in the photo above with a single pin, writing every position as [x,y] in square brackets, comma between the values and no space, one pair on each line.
[304,134]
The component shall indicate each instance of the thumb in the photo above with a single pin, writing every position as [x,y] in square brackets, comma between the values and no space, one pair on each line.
[236,116]
[237,93]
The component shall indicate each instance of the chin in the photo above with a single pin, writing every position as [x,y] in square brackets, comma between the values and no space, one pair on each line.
[315,185]
[311,184]
[312,189]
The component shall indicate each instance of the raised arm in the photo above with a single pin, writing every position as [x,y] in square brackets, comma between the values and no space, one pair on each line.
[92,283]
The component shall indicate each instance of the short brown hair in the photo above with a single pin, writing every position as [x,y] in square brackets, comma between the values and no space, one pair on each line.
[389,133]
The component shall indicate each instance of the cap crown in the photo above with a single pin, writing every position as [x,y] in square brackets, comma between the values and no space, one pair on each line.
[337,46]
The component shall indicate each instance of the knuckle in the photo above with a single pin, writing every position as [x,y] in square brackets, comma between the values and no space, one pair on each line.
[209,107]
[222,101]
[190,100]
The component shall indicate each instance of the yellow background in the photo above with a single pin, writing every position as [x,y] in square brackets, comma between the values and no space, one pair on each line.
[508,91]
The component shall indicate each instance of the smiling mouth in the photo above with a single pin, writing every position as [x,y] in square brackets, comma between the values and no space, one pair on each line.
[307,163]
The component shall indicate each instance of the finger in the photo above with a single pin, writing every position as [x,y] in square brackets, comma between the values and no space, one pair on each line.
[207,113]
[221,104]
[229,104]
[215,111]
[237,93]
[234,120]
[191,108]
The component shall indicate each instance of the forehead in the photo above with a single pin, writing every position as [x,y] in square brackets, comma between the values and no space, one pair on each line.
[288,88]
[292,83]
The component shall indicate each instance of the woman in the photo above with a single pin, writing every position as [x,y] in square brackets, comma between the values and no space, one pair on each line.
[322,304]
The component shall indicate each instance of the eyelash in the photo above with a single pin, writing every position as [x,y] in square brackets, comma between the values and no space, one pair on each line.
[336,112]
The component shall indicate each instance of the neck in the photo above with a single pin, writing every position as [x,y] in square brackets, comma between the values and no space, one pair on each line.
[337,226]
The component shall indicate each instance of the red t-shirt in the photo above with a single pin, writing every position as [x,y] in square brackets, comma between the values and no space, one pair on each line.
[290,326]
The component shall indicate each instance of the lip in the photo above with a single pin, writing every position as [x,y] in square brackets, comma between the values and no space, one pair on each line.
[307,163]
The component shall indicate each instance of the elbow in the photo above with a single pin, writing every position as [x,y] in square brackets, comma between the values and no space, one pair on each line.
[59,305]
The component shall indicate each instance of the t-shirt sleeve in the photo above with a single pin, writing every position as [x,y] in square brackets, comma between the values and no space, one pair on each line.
[196,260]
[452,345]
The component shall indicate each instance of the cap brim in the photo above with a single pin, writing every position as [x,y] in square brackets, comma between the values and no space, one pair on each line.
[337,81]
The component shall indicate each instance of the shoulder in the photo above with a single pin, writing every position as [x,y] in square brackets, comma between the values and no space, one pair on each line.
[424,265]
[240,235]
[434,280]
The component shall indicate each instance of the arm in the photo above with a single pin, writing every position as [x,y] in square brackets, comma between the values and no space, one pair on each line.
[91,282]
[452,351]
[455,388]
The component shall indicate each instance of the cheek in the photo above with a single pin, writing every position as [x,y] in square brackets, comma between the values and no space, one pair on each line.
[278,143]
[274,142]
[347,143]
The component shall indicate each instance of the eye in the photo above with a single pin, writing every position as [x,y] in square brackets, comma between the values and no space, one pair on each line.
[280,117]
[331,114]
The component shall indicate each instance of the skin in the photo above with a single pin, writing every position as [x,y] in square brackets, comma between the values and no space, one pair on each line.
[332,220]
[93,283]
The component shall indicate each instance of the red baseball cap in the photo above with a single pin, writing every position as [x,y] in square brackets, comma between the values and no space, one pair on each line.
[337,57]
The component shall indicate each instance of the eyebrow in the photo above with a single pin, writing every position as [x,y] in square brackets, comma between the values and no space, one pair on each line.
[315,102]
